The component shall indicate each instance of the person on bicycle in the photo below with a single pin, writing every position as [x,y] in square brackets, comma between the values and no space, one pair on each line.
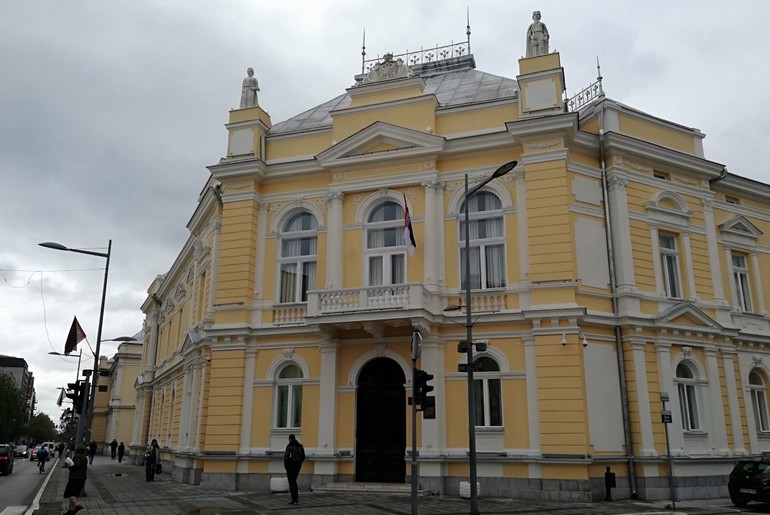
[42,457]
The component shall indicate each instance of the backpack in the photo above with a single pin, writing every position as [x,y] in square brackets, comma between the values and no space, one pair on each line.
[295,453]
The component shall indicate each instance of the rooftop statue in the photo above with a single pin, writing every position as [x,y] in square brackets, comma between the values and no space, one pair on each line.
[249,90]
[388,69]
[537,37]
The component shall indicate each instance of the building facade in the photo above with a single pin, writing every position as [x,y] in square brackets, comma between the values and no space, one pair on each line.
[18,369]
[614,265]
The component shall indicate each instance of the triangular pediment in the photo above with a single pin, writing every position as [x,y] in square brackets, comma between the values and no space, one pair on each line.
[380,141]
[740,226]
[686,316]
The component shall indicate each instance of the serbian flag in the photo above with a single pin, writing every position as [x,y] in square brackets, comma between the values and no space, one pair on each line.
[411,245]
[76,336]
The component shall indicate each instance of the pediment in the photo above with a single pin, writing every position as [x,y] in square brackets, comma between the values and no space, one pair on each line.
[686,316]
[380,141]
[739,227]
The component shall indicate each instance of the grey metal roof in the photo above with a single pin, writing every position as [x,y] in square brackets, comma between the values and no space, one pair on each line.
[453,88]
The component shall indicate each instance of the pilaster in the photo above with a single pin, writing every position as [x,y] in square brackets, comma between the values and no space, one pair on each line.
[334,250]
[643,399]
[248,400]
[718,431]
[327,420]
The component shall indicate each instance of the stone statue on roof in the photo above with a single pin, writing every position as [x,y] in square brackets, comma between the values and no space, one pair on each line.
[537,37]
[249,90]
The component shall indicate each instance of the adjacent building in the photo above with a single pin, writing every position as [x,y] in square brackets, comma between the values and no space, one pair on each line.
[17,369]
[614,267]
[115,400]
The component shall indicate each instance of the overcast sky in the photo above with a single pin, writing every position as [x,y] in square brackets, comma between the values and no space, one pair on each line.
[111,111]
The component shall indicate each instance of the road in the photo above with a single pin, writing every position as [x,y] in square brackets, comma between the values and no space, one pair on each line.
[18,490]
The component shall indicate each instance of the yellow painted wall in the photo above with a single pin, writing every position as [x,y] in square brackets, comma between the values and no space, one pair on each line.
[655,133]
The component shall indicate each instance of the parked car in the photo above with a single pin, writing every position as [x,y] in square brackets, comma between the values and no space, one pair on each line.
[21,451]
[6,459]
[750,481]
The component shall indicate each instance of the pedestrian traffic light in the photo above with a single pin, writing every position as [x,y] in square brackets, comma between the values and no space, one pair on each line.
[421,386]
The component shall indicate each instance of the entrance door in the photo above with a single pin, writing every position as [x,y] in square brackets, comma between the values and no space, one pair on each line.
[381,423]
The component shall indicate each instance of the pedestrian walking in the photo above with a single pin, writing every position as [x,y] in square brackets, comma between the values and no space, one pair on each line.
[121,450]
[113,448]
[292,462]
[76,483]
[151,460]
[91,452]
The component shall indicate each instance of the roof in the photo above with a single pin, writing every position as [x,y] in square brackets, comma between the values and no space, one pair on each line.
[454,88]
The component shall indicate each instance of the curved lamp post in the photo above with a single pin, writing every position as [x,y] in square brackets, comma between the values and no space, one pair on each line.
[59,246]
[504,169]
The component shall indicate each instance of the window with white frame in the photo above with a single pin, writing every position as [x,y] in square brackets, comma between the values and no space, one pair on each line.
[289,397]
[741,276]
[299,245]
[385,245]
[487,241]
[488,392]
[669,258]
[686,382]
[758,389]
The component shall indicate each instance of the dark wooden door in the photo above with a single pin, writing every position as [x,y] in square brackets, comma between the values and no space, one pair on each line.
[381,423]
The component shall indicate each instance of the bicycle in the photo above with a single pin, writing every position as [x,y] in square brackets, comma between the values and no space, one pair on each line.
[41,466]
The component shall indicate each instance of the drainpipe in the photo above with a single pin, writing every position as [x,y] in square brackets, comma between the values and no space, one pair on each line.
[615,310]
[721,176]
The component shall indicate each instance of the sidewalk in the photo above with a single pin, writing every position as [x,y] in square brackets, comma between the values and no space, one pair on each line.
[115,488]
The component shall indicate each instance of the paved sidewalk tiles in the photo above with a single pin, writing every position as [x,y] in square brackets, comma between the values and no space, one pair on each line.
[120,489]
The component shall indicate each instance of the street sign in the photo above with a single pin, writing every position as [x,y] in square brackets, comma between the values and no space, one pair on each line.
[665,416]
[664,397]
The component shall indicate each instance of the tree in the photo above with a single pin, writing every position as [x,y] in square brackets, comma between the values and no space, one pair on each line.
[41,428]
[13,409]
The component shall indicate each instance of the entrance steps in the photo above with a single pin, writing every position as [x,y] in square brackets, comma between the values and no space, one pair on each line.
[372,488]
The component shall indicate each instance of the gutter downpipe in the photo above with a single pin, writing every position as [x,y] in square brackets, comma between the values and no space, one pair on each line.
[721,176]
[615,311]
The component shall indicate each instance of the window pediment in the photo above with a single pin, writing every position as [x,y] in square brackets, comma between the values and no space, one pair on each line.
[668,208]
[740,231]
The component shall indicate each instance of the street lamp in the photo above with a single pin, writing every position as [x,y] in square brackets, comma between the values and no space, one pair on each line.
[504,169]
[90,400]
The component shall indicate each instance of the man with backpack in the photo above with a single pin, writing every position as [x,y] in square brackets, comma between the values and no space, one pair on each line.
[42,457]
[292,462]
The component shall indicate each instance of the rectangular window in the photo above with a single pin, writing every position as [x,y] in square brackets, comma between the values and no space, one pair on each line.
[688,407]
[731,200]
[742,288]
[661,175]
[669,258]
[760,410]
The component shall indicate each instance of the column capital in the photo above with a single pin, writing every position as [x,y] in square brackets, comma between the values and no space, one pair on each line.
[434,184]
[334,196]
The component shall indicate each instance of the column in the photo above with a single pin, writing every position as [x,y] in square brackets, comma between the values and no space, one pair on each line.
[214,268]
[201,392]
[259,278]
[334,246]
[248,401]
[621,231]
[431,247]
[533,404]
[711,241]
[666,378]
[433,439]
[136,437]
[718,430]
[523,240]
[327,413]
[643,399]
[739,446]
[688,266]
[152,345]
[756,271]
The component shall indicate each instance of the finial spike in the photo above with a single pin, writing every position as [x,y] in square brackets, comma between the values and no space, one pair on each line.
[468,27]
[363,51]
[599,76]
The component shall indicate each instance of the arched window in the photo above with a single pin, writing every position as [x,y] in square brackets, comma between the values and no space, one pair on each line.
[688,399]
[385,245]
[758,390]
[299,245]
[487,241]
[488,392]
[289,397]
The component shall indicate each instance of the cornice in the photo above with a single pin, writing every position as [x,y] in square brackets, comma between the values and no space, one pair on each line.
[385,105]
[385,85]
[471,143]
[564,124]
[616,142]
[252,167]
[203,212]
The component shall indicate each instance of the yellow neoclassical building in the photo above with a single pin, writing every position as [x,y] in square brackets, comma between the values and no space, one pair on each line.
[615,263]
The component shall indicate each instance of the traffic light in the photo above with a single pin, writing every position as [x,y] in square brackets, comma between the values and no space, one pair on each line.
[76,392]
[421,386]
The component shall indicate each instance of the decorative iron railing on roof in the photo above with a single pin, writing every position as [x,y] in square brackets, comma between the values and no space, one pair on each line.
[586,96]
[423,55]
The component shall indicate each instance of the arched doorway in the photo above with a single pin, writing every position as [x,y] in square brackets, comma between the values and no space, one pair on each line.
[381,423]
